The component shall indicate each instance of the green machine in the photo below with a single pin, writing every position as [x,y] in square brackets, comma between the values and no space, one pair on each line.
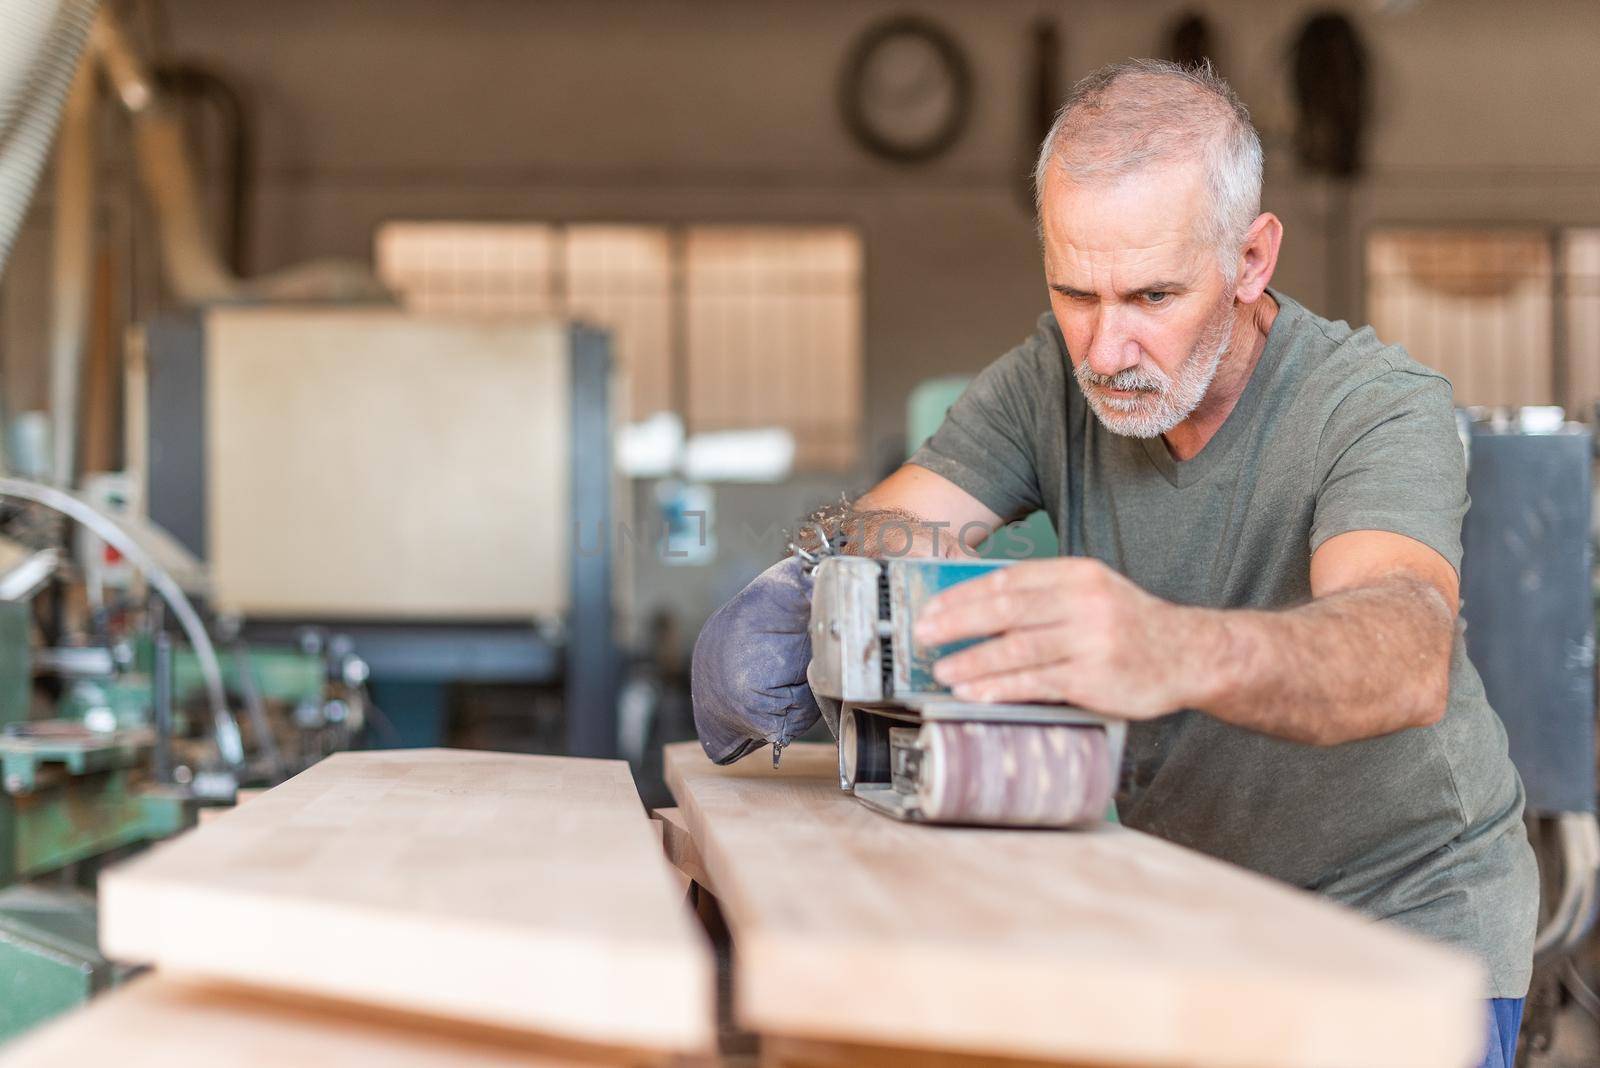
[70,794]
[110,736]
[115,769]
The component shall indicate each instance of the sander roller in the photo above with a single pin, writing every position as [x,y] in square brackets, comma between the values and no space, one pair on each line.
[907,746]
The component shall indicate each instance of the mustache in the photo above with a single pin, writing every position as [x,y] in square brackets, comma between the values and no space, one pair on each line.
[1129,379]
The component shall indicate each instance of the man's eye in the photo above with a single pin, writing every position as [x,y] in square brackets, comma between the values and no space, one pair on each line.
[1157,296]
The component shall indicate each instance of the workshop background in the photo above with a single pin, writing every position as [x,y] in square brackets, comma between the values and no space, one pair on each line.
[356,117]
[757,247]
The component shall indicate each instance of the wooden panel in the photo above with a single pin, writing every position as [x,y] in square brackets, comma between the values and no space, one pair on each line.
[1100,946]
[800,1053]
[162,1022]
[375,463]
[521,891]
[679,879]
[679,844]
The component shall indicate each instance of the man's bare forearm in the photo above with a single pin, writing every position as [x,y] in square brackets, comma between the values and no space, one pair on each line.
[1354,664]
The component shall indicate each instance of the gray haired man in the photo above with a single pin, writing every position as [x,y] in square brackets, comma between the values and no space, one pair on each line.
[1259,513]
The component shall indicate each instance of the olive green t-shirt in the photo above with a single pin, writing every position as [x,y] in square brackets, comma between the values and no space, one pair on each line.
[1334,432]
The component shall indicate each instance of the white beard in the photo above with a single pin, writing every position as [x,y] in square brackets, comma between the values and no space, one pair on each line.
[1162,402]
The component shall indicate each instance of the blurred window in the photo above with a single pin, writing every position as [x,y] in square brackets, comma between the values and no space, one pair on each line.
[1511,315]
[732,327]
[773,332]
[1580,321]
[475,268]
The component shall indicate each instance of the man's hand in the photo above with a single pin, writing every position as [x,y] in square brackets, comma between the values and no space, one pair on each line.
[748,680]
[1068,631]
[1369,655]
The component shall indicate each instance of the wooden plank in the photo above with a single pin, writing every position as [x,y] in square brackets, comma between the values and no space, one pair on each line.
[165,1022]
[520,891]
[680,880]
[158,1021]
[445,497]
[801,1053]
[679,844]
[1100,946]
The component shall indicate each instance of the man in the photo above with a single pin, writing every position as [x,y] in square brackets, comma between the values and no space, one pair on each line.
[1259,512]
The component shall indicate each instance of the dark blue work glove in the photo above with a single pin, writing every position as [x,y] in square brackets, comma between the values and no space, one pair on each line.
[748,681]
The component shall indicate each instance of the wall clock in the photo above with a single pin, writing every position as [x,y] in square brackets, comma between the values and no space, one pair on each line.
[906,90]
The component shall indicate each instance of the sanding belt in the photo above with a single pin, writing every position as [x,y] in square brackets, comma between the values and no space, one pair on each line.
[1014,774]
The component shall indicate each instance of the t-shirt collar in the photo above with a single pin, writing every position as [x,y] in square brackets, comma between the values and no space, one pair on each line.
[1189,471]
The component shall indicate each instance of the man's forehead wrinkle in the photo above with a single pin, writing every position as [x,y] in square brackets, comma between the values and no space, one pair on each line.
[1178,238]
[1121,269]
[1174,246]
[1130,231]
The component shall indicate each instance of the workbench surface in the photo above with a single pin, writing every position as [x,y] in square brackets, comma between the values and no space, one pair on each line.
[1100,946]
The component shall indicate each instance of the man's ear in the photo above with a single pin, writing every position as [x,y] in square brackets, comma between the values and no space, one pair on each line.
[1258,258]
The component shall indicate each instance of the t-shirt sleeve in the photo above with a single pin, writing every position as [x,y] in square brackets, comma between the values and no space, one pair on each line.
[988,442]
[1391,459]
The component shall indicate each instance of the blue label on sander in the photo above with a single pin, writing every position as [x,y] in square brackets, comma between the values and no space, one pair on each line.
[912,584]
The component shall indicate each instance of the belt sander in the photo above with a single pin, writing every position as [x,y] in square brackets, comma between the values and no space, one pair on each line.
[907,746]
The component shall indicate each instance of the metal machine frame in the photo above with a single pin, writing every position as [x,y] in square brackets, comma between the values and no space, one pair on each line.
[1529,608]
[586,654]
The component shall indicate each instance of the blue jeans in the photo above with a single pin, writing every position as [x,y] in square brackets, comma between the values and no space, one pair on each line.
[1505,1018]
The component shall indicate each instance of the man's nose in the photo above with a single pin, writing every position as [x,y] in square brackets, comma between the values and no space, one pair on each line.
[1112,350]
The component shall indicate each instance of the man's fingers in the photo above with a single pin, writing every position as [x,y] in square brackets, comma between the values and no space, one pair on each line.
[1059,575]
[1075,683]
[1047,684]
[1003,610]
[1027,648]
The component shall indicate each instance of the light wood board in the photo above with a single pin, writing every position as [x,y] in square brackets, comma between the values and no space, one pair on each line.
[375,463]
[522,891]
[1101,946]
[679,844]
[157,1021]
[679,879]
[777,1052]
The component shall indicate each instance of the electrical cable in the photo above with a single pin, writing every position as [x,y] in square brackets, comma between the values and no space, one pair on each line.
[230,744]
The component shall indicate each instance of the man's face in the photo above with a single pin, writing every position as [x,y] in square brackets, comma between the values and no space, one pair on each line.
[1145,310]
